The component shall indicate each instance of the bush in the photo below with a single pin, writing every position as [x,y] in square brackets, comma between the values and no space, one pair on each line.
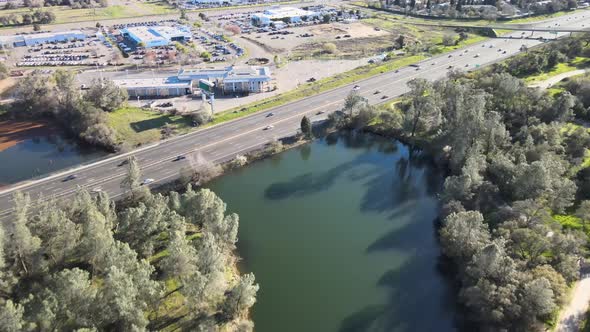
[329,48]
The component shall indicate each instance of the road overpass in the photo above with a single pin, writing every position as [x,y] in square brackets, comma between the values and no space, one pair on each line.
[224,141]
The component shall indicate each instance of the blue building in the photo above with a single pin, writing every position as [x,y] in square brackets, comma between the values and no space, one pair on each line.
[41,38]
[154,36]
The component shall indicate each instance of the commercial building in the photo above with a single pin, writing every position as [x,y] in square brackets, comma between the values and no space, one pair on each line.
[248,79]
[41,38]
[229,80]
[154,36]
[155,87]
[283,14]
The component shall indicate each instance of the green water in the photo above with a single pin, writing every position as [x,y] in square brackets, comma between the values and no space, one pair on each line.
[340,236]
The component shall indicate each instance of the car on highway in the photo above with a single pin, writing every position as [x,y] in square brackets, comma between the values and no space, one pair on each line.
[450,66]
[147,181]
[466,65]
[70,177]
[180,157]
[376,92]
[269,127]
[356,87]
[477,55]
[270,114]
[123,162]
[450,55]
[96,190]
[384,97]
[504,52]
[320,112]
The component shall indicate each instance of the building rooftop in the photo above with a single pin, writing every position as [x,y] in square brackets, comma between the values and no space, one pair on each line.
[149,34]
[281,12]
[164,82]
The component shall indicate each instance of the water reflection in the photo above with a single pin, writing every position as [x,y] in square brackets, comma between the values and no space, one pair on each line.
[40,155]
[342,239]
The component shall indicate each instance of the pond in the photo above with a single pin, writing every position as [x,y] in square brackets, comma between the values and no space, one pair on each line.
[29,150]
[340,234]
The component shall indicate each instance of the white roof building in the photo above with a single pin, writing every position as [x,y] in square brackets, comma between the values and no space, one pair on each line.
[280,13]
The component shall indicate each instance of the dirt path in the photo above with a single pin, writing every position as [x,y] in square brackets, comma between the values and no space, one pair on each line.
[557,78]
[575,311]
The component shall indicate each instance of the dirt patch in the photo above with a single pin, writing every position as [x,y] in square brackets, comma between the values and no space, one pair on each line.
[322,33]
[7,85]
[14,132]
[346,48]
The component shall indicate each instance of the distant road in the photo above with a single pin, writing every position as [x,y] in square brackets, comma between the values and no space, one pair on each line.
[224,141]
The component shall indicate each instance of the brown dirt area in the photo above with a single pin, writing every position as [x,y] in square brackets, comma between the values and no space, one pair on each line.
[322,33]
[14,132]
[349,48]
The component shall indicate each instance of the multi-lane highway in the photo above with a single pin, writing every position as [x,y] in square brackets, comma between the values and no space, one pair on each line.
[225,141]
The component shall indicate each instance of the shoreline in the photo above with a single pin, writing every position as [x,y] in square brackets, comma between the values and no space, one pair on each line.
[14,132]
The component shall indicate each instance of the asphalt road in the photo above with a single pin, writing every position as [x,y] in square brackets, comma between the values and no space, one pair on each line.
[223,142]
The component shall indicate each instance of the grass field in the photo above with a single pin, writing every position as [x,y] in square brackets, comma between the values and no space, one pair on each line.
[65,14]
[137,126]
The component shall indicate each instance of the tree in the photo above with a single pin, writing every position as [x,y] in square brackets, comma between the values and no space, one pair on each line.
[11,317]
[423,114]
[463,235]
[306,128]
[181,261]
[537,299]
[121,301]
[106,95]
[59,235]
[22,245]
[449,40]
[131,183]
[204,114]
[400,41]
[326,18]
[36,27]
[241,297]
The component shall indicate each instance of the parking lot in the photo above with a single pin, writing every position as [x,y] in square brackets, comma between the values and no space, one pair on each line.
[89,52]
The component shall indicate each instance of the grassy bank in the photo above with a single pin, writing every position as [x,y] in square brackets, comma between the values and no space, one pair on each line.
[137,126]
[560,68]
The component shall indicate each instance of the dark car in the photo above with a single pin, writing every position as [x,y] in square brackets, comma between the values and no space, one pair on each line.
[384,97]
[123,162]
[179,158]
[70,177]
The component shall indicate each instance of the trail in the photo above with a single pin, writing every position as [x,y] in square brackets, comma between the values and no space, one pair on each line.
[574,312]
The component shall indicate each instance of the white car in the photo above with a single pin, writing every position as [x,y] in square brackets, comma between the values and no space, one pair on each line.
[356,88]
[147,181]
[269,127]
[96,190]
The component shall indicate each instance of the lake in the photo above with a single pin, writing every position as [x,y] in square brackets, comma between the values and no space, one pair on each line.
[29,150]
[340,234]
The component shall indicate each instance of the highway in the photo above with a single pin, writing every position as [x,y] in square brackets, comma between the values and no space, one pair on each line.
[224,141]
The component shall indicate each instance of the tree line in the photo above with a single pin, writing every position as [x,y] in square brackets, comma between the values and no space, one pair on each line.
[36,17]
[155,260]
[59,96]
[546,57]
[74,4]
[511,167]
